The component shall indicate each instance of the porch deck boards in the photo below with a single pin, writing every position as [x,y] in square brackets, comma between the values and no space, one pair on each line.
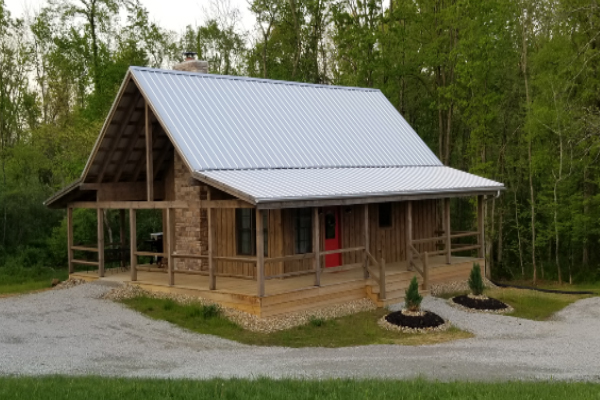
[281,295]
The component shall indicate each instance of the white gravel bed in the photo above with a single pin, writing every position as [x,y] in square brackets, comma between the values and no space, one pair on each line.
[74,332]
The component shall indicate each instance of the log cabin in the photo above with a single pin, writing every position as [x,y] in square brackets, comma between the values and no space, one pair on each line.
[275,196]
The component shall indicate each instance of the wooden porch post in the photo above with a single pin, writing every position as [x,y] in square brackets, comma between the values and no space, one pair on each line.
[133,244]
[425,271]
[169,247]
[70,238]
[409,232]
[260,253]
[212,279]
[149,158]
[448,230]
[316,244]
[121,236]
[366,238]
[481,234]
[100,214]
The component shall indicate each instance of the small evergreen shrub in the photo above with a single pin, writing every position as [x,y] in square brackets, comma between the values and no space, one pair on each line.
[475,280]
[169,305]
[194,312]
[412,298]
[211,311]
[316,322]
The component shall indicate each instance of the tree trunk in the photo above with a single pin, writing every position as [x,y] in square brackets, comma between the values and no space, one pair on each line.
[526,22]
[519,237]
[531,191]
[585,258]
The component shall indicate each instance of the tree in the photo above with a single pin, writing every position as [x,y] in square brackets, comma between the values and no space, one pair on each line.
[476,281]
[412,298]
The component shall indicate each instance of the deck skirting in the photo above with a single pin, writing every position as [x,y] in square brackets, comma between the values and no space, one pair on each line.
[296,294]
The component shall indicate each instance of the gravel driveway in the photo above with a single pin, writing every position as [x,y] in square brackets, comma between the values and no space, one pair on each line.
[72,331]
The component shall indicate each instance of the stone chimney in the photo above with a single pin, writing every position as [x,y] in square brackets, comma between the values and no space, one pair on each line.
[191,64]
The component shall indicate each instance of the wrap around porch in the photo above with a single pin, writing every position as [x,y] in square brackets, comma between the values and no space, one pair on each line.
[271,282]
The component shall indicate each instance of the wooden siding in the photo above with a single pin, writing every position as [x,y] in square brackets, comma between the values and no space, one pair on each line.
[388,243]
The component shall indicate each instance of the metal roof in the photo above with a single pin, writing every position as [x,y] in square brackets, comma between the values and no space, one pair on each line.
[224,122]
[269,141]
[264,186]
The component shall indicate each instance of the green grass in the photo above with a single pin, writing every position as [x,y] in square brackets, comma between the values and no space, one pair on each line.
[530,304]
[588,286]
[15,280]
[93,388]
[352,330]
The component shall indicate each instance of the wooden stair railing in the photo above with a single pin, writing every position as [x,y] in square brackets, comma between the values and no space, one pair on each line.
[425,261]
[380,272]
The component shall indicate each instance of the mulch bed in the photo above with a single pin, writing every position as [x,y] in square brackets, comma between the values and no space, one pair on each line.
[480,304]
[427,320]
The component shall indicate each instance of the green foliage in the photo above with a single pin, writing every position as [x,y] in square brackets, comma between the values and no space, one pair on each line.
[14,278]
[505,89]
[168,304]
[95,388]
[352,330]
[531,304]
[476,281]
[412,298]
[316,322]
[538,306]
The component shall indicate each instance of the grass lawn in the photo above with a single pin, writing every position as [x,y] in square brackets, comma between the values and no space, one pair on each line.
[530,304]
[352,330]
[92,388]
[592,287]
[23,280]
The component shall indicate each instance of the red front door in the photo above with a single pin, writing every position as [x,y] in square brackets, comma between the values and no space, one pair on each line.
[332,236]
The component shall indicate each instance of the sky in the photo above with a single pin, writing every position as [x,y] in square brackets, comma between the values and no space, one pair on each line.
[171,14]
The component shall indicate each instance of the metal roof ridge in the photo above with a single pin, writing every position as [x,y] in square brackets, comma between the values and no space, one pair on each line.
[252,79]
[325,167]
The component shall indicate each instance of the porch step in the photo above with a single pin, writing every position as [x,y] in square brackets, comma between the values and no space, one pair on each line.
[394,276]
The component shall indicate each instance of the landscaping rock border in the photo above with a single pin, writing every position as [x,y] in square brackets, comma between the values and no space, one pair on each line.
[397,328]
[69,283]
[506,310]
[246,320]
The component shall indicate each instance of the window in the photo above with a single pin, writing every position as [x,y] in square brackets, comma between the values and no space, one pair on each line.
[245,226]
[385,215]
[303,230]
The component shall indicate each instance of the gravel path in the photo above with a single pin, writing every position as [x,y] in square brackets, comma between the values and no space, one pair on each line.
[72,331]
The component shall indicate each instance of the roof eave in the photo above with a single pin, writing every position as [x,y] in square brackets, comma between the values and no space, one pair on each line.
[62,193]
[363,198]
[226,188]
